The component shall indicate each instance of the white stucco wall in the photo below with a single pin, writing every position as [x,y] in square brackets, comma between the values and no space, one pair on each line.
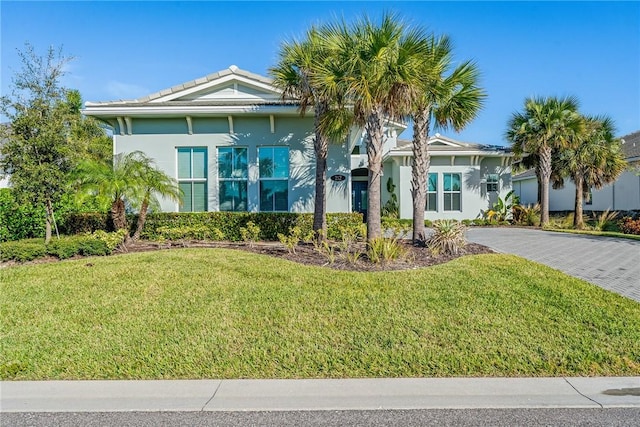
[160,138]
[622,195]
[474,199]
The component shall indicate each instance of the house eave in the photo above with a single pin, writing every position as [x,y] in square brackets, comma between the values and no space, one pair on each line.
[179,111]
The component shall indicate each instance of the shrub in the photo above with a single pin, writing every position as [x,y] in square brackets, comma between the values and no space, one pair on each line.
[294,237]
[110,240]
[382,250]
[23,250]
[19,220]
[448,237]
[605,221]
[85,222]
[63,248]
[630,226]
[527,215]
[250,233]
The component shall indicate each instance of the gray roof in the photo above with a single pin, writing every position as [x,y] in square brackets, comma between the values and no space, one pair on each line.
[404,144]
[529,173]
[200,81]
[631,145]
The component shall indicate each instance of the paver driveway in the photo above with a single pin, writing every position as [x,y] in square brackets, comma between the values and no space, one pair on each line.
[608,262]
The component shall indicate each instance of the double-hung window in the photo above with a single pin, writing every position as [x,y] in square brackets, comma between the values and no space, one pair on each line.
[192,178]
[452,191]
[493,182]
[432,193]
[273,163]
[232,178]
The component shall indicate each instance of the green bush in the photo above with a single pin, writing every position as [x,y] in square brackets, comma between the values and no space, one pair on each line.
[22,250]
[227,225]
[111,240]
[19,220]
[383,250]
[85,222]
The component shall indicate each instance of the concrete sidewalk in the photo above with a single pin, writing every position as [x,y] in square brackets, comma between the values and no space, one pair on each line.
[349,394]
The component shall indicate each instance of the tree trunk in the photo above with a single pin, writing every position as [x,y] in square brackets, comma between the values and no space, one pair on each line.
[321,147]
[119,217]
[48,221]
[419,170]
[374,130]
[545,176]
[578,223]
[142,218]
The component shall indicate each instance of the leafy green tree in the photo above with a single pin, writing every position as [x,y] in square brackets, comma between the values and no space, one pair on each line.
[594,160]
[35,153]
[451,100]
[377,71]
[129,180]
[545,125]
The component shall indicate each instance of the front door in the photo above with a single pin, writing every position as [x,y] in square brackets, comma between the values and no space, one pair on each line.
[359,199]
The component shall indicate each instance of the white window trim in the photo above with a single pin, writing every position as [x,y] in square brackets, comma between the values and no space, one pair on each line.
[232,179]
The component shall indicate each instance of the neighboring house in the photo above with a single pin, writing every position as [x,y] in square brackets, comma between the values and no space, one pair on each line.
[621,195]
[234,144]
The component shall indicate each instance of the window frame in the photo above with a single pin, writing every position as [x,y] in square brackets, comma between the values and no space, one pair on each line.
[265,179]
[233,179]
[434,208]
[191,179]
[451,192]
[491,184]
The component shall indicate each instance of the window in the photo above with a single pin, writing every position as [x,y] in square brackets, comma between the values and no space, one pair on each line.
[232,178]
[273,163]
[452,191]
[192,178]
[432,192]
[493,182]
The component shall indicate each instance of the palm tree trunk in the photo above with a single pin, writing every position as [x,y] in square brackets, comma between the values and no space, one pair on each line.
[321,147]
[142,218]
[374,128]
[119,217]
[419,170]
[578,223]
[545,177]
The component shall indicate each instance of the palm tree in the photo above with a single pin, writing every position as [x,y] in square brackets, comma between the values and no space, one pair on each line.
[452,101]
[545,125]
[128,178]
[376,68]
[153,182]
[594,161]
[295,73]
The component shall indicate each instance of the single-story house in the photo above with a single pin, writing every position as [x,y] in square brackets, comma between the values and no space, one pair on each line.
[621,195]
[233,144]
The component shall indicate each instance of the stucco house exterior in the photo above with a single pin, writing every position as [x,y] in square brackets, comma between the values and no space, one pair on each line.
[621,195]
[234,144]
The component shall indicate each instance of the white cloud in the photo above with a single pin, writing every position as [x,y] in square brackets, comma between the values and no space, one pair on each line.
[119,90]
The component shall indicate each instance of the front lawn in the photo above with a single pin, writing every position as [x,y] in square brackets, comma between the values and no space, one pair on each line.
[219,313]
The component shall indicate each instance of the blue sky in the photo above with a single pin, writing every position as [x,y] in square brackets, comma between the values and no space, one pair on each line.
[129,49]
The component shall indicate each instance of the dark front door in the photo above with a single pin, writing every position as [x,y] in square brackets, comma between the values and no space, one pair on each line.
[359,199]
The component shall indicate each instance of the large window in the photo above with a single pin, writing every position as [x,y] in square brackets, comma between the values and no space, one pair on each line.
[493,182]
[273,163]
[232,178]
[452,191]
[432,192]
[192,178]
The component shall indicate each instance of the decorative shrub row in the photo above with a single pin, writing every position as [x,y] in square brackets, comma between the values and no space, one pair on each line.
[227,225]
[97,244]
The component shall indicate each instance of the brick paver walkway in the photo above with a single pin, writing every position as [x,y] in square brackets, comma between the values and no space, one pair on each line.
[608,262]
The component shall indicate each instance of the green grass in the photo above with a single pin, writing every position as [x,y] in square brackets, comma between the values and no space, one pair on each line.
[215,313]
[596,233]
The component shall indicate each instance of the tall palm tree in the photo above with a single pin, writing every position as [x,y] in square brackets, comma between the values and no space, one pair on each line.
[295,73]
[594,161]
[545,125]
[377,69]
[129,178]
[452,101]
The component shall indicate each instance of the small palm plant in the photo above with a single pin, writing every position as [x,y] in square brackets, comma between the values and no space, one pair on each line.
[447,238]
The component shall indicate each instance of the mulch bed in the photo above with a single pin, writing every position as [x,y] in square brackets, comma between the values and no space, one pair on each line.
[416,256]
